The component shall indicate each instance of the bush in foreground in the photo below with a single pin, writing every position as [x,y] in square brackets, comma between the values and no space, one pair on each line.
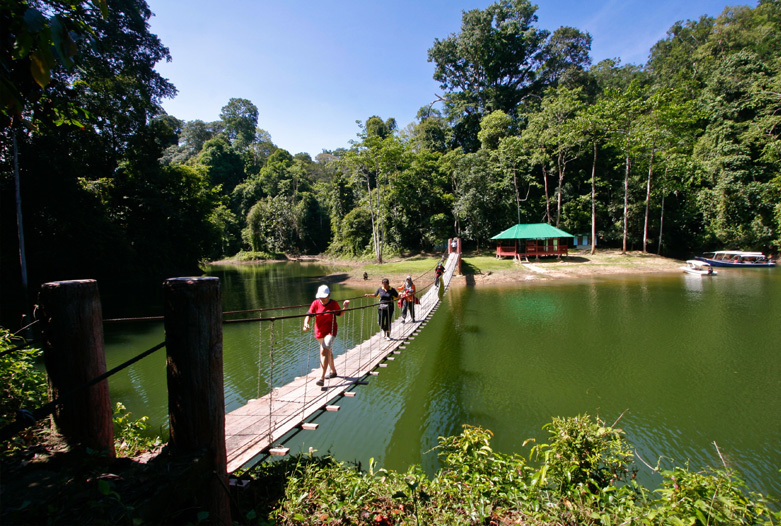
[582,475]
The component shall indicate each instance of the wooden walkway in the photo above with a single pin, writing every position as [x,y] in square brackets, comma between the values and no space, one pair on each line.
[255,428]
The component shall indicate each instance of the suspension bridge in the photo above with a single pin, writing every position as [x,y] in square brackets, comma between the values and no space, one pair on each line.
[257,427]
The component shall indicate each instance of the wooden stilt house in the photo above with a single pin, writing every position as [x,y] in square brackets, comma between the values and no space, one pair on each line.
[536,239]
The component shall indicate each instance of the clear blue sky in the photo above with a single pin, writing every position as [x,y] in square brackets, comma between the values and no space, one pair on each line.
[314,67]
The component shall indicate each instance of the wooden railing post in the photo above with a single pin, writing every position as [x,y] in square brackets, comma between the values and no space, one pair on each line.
[196,399]
[74,353]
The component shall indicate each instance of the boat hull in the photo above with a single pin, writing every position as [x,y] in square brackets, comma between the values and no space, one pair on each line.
[722,263]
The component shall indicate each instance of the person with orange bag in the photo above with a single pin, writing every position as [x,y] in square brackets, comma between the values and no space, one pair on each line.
[407,293]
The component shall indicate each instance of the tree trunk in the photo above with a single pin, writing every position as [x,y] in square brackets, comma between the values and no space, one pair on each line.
[372,214]
[594,202]
[648,199]
[558,204]
[661,218]
[20,230]
[661,224]
[626,199]
[517,194]
[547,196]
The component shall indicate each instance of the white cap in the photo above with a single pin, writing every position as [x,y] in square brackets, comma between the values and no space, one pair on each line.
[323,292]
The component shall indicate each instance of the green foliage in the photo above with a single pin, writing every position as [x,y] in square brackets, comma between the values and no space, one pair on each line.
[39,39]
[241,118]
[250,255]
[577,482]
[494,126]
[24,387]
[131,436]
[224,166]
[271,226]
[718,498]
[355,232]
[582,452]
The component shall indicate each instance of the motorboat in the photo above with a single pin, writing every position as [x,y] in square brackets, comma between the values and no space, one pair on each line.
[736,258]
[701,268]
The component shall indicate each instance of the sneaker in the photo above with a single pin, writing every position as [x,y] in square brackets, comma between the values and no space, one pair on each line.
[387,337]
[333,375]
[320,383]
[404,320]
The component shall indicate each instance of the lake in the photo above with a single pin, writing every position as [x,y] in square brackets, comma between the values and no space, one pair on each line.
[685,364]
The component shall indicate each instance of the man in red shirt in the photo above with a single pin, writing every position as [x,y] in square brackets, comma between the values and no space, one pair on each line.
[325,310]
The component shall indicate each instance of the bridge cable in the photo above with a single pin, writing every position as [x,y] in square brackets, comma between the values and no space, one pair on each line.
[272,341]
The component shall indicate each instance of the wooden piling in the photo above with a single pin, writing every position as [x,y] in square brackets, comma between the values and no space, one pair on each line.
[196,400]
[74,354]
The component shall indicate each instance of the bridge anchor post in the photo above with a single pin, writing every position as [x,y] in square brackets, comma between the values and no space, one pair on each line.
[74,353]
[196,399]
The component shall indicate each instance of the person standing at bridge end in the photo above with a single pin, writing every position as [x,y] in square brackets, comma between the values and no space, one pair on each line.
[325,310]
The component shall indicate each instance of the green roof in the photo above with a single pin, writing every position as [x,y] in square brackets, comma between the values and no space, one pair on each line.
[532,231]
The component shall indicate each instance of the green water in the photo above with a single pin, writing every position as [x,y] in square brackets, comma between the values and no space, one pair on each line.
[683,361]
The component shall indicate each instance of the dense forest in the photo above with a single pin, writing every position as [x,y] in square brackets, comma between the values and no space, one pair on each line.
[675,156]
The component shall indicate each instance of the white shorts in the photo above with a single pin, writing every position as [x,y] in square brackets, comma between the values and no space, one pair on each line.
[327,342]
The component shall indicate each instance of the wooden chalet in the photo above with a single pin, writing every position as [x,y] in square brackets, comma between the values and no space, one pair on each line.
[538,239]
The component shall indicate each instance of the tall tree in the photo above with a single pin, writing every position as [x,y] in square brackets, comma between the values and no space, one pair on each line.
[592,125]
[498,59]
[625,107]
[240,117]
[373,161]
[665,122]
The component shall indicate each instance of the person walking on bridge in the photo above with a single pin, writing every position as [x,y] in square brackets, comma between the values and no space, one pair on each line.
[407,292]
[387,295]
[438,272]
[325,310]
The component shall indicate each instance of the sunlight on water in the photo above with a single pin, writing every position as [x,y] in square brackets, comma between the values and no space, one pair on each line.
[680,361]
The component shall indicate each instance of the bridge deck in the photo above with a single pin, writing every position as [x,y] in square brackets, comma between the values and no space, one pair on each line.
[255,427]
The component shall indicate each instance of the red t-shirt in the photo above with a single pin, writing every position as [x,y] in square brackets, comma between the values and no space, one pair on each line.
[325,324]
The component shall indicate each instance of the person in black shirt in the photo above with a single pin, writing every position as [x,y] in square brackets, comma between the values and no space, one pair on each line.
[387,295]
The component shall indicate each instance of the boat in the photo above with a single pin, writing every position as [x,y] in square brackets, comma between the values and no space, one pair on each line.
[701,268]
[736,258]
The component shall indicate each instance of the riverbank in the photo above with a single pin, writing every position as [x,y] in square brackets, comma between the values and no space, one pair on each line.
[483,269]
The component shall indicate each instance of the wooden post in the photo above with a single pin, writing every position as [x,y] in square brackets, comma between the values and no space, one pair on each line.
[458,251]
[74,354]
[196,399]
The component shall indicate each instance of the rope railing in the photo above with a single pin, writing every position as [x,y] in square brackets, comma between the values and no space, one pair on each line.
[264,309]
[293,316]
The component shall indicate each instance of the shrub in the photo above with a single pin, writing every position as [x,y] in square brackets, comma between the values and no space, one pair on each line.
[22,388]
